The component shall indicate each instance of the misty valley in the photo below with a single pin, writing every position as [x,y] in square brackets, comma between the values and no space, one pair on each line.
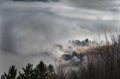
[59,39]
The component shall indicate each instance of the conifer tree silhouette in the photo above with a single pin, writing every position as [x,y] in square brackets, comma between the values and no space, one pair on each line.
[12,73]
[51,73]
[50,69]
[41,71]
[28,72]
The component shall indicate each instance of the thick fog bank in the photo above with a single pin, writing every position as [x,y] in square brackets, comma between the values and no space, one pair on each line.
[27,30]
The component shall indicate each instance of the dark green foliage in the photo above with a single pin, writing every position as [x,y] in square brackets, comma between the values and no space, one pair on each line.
[86,40]
[41,71]
[28,72]
[11,74]
[50,69]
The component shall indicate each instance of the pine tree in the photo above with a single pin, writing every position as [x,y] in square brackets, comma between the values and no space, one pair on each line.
[12,74]
[50,69]
[28,72]
[51,73]
[41,71]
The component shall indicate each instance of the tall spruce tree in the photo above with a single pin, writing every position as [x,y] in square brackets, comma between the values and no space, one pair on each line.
[12,73]
[28,72]
[50,69]
[41,71]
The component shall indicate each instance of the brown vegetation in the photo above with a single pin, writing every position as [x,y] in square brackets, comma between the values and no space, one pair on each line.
[103,62]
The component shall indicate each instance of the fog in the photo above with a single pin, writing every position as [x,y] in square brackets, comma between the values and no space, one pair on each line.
[28,29]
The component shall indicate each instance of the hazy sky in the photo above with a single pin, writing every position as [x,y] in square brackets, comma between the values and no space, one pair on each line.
[32,27]
[38,24]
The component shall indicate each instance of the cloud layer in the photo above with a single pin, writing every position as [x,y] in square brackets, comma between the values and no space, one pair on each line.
[94,4]
[31,28]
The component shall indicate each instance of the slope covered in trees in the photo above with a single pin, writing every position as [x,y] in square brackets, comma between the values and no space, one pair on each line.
[103,62]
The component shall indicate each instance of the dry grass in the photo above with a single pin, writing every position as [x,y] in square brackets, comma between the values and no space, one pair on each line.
[82,50]
[103,62]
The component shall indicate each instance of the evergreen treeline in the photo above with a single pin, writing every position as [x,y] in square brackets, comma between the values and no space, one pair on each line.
[41,71]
